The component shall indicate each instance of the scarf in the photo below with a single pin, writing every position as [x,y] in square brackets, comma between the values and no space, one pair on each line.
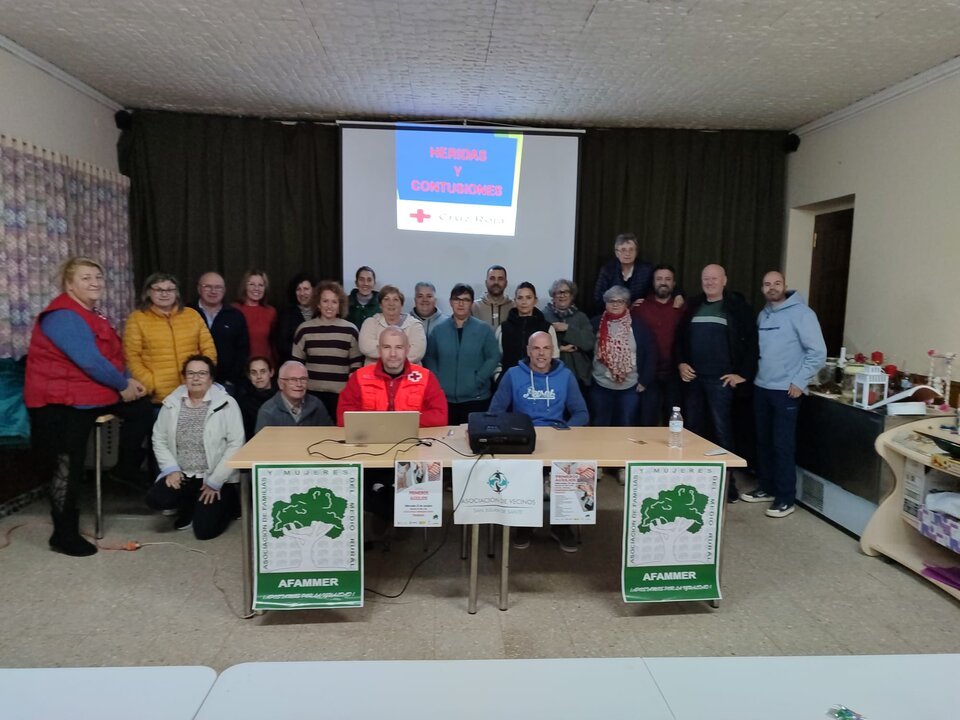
[613,344]
[562,315]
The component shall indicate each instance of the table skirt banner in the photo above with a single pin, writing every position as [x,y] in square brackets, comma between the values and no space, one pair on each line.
[308,536]
[671,537]
[573,492]
[418,498]
[504,492]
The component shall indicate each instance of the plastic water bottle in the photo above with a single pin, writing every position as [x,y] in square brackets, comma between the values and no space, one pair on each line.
[675,439]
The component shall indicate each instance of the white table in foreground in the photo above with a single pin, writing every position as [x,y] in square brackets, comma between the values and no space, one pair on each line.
[108,693]
[880,687]
[417,689]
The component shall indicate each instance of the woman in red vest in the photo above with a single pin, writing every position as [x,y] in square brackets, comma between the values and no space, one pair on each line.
[75,373]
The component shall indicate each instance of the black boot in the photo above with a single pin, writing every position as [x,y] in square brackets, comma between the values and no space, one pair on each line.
[66,536]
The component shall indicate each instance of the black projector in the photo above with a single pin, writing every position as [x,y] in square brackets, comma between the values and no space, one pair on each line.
[506,433]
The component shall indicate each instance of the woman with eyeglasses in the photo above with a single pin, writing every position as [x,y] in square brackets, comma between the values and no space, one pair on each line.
[574,331]
[161,335]
[75,373]
[391,314]
[199,428]
[623,362]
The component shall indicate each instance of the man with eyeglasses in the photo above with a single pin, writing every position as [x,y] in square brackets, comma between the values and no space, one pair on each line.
[228,327]
[463,353]
[292,406]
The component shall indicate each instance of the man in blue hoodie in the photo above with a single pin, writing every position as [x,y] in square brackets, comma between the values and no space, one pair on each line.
[547,391]
[791,352]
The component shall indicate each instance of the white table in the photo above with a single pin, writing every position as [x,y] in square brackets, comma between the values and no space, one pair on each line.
[109,693]
[881,687]
[418,689]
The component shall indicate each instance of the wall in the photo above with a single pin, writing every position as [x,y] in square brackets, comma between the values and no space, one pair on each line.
[44,111]
[901,161]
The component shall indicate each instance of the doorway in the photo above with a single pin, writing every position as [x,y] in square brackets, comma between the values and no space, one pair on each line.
[829,274]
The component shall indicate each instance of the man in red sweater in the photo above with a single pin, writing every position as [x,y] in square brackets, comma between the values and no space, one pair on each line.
[661,316]
[392,384]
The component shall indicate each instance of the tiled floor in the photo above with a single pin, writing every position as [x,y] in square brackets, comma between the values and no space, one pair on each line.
[795,586]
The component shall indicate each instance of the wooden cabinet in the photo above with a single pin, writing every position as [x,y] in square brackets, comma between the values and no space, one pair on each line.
[888,533]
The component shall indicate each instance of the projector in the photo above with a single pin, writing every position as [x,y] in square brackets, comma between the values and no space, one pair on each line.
[506,433]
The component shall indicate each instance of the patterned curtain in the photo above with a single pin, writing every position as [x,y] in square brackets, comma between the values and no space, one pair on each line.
[54,207]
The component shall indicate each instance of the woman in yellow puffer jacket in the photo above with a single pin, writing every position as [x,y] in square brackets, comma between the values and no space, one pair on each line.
[161,335]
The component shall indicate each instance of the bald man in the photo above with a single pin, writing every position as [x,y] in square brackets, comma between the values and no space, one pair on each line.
[393,383]
[717,358]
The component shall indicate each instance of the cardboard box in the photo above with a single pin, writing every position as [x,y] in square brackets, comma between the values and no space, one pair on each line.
[918,480]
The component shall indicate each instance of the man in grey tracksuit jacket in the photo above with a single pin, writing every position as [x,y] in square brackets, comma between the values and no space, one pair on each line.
[792,350]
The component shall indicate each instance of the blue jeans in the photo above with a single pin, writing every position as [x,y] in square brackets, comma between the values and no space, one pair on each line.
[613,408]
[707,398]
[776,414]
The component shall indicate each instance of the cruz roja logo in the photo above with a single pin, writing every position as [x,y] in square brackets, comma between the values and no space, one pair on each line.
[498,482]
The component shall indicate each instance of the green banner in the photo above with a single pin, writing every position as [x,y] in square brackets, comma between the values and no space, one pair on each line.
[308,536]
[671,537]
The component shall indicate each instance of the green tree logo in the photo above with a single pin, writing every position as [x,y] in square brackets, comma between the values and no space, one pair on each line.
[308,514]
[681,506]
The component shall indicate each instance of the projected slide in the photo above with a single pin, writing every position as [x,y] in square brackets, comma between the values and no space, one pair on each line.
[458,182]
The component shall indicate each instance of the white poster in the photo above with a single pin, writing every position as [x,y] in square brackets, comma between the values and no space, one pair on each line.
[418,501]
[504,492]
[573,492]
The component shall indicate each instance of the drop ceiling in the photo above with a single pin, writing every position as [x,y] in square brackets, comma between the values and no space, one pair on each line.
[689,63]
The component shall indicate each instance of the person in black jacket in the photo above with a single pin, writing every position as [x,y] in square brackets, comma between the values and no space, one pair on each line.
[254,391]
[523,320]
[717,357]
[299,309]
[228,328]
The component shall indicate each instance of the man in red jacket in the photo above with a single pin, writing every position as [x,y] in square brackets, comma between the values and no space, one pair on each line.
[392,384]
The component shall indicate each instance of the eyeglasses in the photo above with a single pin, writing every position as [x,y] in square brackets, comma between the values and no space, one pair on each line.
[562,292]
[163,291]
[197,373]
[295,381]
[616,302]
[212,287]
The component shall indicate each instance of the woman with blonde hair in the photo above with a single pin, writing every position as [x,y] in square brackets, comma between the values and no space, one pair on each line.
[75,372]
[261,317]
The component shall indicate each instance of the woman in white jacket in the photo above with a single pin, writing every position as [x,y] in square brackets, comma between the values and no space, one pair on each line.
[199,428]
[391,305]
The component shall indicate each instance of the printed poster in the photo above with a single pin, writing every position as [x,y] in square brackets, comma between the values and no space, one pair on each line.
[503,492]
[573,492]
[418,498]
[672,515]
[308,536]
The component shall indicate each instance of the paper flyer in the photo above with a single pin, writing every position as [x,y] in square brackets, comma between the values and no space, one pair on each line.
[573,492]
[503,492]
[418,498]
[672,520]
[307,536]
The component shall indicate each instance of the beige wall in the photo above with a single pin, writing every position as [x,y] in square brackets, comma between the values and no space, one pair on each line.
[42,110]
[901,161]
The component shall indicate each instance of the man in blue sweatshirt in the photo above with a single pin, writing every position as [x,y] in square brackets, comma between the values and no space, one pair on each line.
[547,391]
[791,352]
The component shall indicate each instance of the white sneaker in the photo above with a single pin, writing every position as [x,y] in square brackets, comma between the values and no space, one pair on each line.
[780,510]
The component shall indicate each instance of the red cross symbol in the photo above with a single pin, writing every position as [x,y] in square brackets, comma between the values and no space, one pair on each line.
[419,215]
[415,376]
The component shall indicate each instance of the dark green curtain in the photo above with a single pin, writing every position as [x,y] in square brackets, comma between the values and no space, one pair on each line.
[691,197]
[229,194]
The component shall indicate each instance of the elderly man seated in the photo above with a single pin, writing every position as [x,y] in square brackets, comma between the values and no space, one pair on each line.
[292,406]
[547,391]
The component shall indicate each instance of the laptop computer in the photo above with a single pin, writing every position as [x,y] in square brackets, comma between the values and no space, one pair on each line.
[380,428]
